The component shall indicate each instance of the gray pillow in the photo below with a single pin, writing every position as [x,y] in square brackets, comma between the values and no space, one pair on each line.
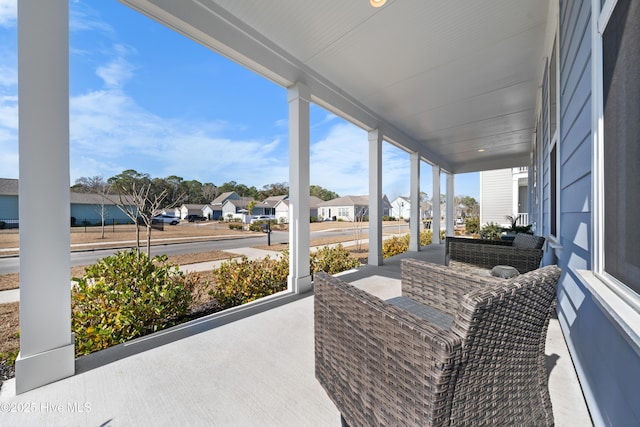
[528,241]
[504,271]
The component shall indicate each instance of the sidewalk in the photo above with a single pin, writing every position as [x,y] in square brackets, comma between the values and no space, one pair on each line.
[13,295]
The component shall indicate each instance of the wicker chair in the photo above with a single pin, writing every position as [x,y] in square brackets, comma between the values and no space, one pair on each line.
[524,252]
[481,362]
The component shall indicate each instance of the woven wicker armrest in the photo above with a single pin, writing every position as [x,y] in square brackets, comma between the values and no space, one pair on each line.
[436,285]
[370,353]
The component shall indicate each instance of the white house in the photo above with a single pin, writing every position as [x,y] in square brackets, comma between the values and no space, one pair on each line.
[282,209]
[191,209]
[504,192]
[216,204]
[349,208]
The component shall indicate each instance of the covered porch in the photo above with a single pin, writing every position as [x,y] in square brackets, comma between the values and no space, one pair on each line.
[257,370]
[461,86]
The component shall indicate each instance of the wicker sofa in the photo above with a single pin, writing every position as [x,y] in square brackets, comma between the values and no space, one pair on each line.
[524,252]
[481,362]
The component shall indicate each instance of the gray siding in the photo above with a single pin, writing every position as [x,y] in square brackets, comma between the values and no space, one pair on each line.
[496,196]
[8,207]
[608,366]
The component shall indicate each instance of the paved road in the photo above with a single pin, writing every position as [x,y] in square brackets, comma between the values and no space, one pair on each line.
[12,264]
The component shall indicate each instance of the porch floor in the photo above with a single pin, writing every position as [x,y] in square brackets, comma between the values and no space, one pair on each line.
[254,371]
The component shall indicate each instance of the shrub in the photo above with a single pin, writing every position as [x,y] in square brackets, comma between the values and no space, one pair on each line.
[235,226]
[491,231]
[240,282]
[332,260]
[125,296]
[395,245]
[472,225]
[256,226]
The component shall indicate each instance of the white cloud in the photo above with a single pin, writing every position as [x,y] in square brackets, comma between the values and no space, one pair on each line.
[8,12]
[116,73]
[83,18]
[339,162]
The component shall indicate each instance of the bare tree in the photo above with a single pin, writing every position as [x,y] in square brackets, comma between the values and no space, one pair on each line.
[357,231]
[141,205]
[96,185]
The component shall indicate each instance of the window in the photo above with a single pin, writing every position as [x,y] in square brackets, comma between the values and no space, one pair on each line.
[621,143]
[553,143]
[553,196]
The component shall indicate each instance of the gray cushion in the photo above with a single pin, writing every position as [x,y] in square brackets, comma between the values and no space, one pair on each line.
[504,271]
[425,312]
[528,241]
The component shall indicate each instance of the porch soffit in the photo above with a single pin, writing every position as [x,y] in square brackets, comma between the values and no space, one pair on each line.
[444,79]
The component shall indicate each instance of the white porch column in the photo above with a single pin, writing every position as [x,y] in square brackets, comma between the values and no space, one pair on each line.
[299,230]
[375,197]
[435,222]
[451,211]
[414,222]
[46,343]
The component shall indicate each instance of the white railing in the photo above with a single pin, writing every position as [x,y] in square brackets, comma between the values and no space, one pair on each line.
[523,219]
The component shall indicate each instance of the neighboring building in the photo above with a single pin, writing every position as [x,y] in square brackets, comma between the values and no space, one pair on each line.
[85,208]
[216,204]
[171,212]
[207,211]
[401,208]
[282,209]
[9,202]
[191,209]
[348,208]
[504,192]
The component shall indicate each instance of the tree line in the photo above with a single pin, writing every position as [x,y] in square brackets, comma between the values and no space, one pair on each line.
[179,190]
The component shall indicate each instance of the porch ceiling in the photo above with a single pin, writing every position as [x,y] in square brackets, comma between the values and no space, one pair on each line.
[444,78]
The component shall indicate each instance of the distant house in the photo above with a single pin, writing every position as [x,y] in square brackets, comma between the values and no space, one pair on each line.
[282,209]
[207,211]
[191,209]
[171,212]
[348,208]
[216,205]
[401,208]
[9,202]
[504,192]
[84,208]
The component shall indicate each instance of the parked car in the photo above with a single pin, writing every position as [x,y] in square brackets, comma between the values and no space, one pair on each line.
[194,217]
[166,219]
[260,218]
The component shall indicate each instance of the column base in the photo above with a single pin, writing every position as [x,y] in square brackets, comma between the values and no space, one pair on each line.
[375,260]
[300,285]
[44,368]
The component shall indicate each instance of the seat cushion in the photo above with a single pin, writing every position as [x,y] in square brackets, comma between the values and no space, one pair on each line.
[528,241]
[504,271]
[425,312]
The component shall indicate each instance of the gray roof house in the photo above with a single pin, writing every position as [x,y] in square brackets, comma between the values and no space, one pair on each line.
[349,208]
[282,209]
[85,208]
[465,86]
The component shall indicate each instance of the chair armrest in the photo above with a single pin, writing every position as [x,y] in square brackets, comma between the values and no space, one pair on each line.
[369,352]
[438,286]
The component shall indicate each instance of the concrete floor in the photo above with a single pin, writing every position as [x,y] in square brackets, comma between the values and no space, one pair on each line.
[248,367]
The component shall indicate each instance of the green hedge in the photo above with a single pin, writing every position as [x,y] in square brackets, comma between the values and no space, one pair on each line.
[125,296]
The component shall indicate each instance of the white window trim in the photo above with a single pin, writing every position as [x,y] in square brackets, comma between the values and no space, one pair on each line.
[620,303]
[554,239]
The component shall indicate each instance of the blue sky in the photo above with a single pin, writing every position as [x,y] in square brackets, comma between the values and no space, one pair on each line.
[146,98]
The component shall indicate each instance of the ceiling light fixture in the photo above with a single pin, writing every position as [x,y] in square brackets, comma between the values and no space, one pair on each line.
[481,150]
[377,3]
